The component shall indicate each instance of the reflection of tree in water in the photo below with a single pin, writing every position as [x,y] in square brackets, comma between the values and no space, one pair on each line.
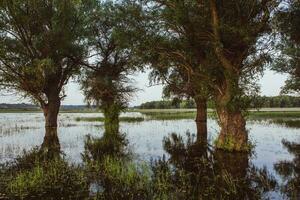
[111,144]
[51,145]
[110,170]
[290,171]
[201,172]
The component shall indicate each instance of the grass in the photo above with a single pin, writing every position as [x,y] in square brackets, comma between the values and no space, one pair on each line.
[191,114]
[101,119]
[33,176]
[273,114]
[287,123]
[40,111]
[169,115]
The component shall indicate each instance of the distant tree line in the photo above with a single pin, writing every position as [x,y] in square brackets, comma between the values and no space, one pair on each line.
[283,101]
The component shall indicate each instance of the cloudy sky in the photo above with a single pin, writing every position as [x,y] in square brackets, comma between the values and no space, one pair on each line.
[270,86]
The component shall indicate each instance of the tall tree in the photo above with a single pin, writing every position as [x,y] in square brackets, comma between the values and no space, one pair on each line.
[177,53]
[213,48]
[287,24]
[112,59]
[237,31]
[40,43]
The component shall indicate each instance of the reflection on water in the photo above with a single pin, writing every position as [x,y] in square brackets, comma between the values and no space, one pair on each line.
[178,154]
[290,171]
[215,174]
[51,145]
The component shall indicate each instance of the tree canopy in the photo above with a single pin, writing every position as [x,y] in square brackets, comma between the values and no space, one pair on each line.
[287,23]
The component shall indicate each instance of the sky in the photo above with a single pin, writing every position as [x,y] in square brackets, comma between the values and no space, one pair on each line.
[270,83]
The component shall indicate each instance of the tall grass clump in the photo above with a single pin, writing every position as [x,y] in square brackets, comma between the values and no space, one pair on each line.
[123,180]
[33,177]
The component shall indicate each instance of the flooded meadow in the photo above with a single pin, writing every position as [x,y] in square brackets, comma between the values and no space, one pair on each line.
[270,171]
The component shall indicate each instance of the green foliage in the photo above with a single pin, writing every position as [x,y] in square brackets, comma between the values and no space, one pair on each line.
[287,24]
[40,44]
[105,79]
[230,144]
[168,104]
[282,101]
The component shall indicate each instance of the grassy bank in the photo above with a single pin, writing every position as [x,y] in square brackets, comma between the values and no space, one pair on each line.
[274,114]
[101,119]
[190,114]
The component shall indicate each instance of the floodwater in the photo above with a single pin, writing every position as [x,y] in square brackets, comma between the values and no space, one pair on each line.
[23,131]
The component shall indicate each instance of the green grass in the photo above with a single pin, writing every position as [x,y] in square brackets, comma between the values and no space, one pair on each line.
[33,176]
[169,115]
[287,123]
[101,119]
[273,114]
[37,110]
[191,114]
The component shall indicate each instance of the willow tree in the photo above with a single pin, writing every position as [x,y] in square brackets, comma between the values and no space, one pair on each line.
[177,53]
[37,41]
[287,24]
[106,81]
[40,43]
[238,42]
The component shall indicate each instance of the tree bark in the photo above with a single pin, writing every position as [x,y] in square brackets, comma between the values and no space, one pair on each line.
[51,110]
[201,119]
[51,145]
[111,118]
[233,135]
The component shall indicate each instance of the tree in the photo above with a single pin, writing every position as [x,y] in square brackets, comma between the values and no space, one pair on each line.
[238,29]
[177,53]
[287,23]
[112,59]
[37,41]
[213,49]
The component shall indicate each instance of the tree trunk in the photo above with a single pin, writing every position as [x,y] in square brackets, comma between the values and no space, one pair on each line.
[111,118]
[233,135]
[51,110]
[51,146]
[201,119]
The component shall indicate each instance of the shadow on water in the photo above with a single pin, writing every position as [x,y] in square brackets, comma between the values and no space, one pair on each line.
[290,171]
